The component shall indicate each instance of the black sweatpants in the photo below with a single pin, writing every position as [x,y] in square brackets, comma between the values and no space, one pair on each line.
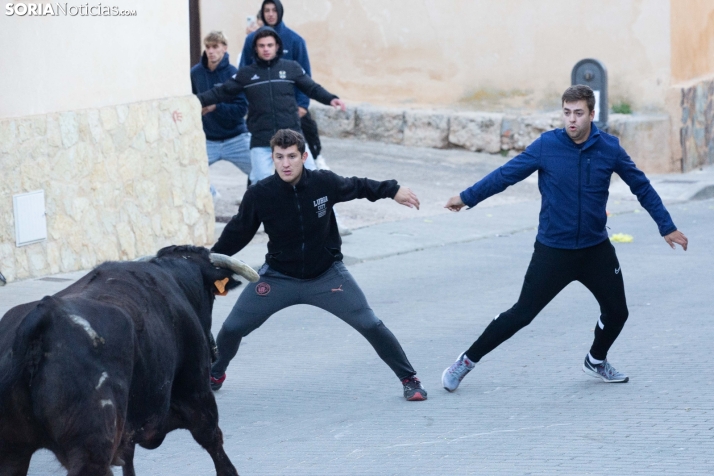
[335,291]
[309,131]
[550,271]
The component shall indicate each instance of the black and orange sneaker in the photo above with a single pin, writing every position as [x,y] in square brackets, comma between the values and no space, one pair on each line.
[413,391]
[217,383]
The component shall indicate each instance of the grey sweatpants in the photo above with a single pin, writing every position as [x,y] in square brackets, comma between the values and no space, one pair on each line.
[335,291]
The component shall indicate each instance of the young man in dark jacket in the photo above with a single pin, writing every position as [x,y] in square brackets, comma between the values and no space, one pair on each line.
[574,167]
[294,48]
[304,260]
[269,84]
[227,137]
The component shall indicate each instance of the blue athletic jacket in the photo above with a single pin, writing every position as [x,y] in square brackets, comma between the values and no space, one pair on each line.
[228,120]
[294,48]
[573,182]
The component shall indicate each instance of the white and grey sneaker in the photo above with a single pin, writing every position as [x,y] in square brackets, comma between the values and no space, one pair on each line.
[604,371]
[451,378]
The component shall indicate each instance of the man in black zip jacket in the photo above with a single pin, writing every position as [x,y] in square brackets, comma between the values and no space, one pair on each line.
[269,84]
[294,48]
[304,261]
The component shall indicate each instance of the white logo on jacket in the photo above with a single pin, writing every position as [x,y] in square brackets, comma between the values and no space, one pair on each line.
[255,76]
[282,74]
[321,205]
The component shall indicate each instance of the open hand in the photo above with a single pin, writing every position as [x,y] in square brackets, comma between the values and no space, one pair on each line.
[455,204]
[407,198]
[678,238]
[338,104]
[207,109]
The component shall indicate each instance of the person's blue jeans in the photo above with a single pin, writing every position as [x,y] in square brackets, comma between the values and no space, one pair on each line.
[235,150]
[261,159]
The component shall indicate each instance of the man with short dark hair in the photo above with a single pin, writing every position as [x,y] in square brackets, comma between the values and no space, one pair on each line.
[294,48]
[574,167]
[304,260]
[269,85]
[227,137]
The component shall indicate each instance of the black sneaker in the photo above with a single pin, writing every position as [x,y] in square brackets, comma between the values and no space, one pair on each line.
[217,383]
[413,391]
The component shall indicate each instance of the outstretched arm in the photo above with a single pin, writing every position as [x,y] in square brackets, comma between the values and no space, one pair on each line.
[647,196]
[240,229]
[512,172]
[407,198]
[678,238]
[304,83]
[223,93]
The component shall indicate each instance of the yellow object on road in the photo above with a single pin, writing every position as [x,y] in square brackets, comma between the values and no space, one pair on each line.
[621,238]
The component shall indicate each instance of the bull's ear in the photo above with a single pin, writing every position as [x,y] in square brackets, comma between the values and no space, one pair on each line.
[220,287]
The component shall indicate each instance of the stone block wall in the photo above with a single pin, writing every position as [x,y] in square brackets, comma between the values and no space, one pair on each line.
[646,140]
[475,131]
[697,126]
[426,129]
[119,182]
[645,137]
[518,131]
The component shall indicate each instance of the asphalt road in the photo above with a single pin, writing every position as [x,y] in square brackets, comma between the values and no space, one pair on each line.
[306,395]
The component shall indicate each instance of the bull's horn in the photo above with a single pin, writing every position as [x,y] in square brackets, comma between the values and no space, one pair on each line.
[235,265]
[145,258]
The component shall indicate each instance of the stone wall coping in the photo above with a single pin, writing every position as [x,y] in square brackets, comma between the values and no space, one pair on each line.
[645,136]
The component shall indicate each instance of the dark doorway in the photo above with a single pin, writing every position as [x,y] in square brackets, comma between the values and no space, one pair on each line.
[194,26]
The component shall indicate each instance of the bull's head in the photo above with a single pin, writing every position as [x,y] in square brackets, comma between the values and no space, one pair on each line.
[225,272]
[219,274]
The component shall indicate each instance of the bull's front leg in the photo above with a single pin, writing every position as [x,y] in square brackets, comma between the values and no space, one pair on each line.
[200,417]
[128,457]
[223,464]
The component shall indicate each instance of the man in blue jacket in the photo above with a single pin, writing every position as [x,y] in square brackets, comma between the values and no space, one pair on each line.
[227,137]
[574,167]
[294,48]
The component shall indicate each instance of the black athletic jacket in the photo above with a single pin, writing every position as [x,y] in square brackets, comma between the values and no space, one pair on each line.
[270,89]
[304,241]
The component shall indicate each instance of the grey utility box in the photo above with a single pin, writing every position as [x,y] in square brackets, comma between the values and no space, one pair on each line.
[592,73]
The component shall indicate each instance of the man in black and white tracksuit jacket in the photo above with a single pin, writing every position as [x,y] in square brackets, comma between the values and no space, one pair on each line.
[304,260]
[269,84]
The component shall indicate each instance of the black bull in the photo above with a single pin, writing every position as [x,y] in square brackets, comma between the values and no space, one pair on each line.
[119,358]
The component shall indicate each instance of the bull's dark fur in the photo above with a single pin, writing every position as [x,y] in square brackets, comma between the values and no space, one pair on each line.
[119,358]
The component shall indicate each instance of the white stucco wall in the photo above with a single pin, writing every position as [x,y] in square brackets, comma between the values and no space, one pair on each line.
[478,53]
[62,63]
